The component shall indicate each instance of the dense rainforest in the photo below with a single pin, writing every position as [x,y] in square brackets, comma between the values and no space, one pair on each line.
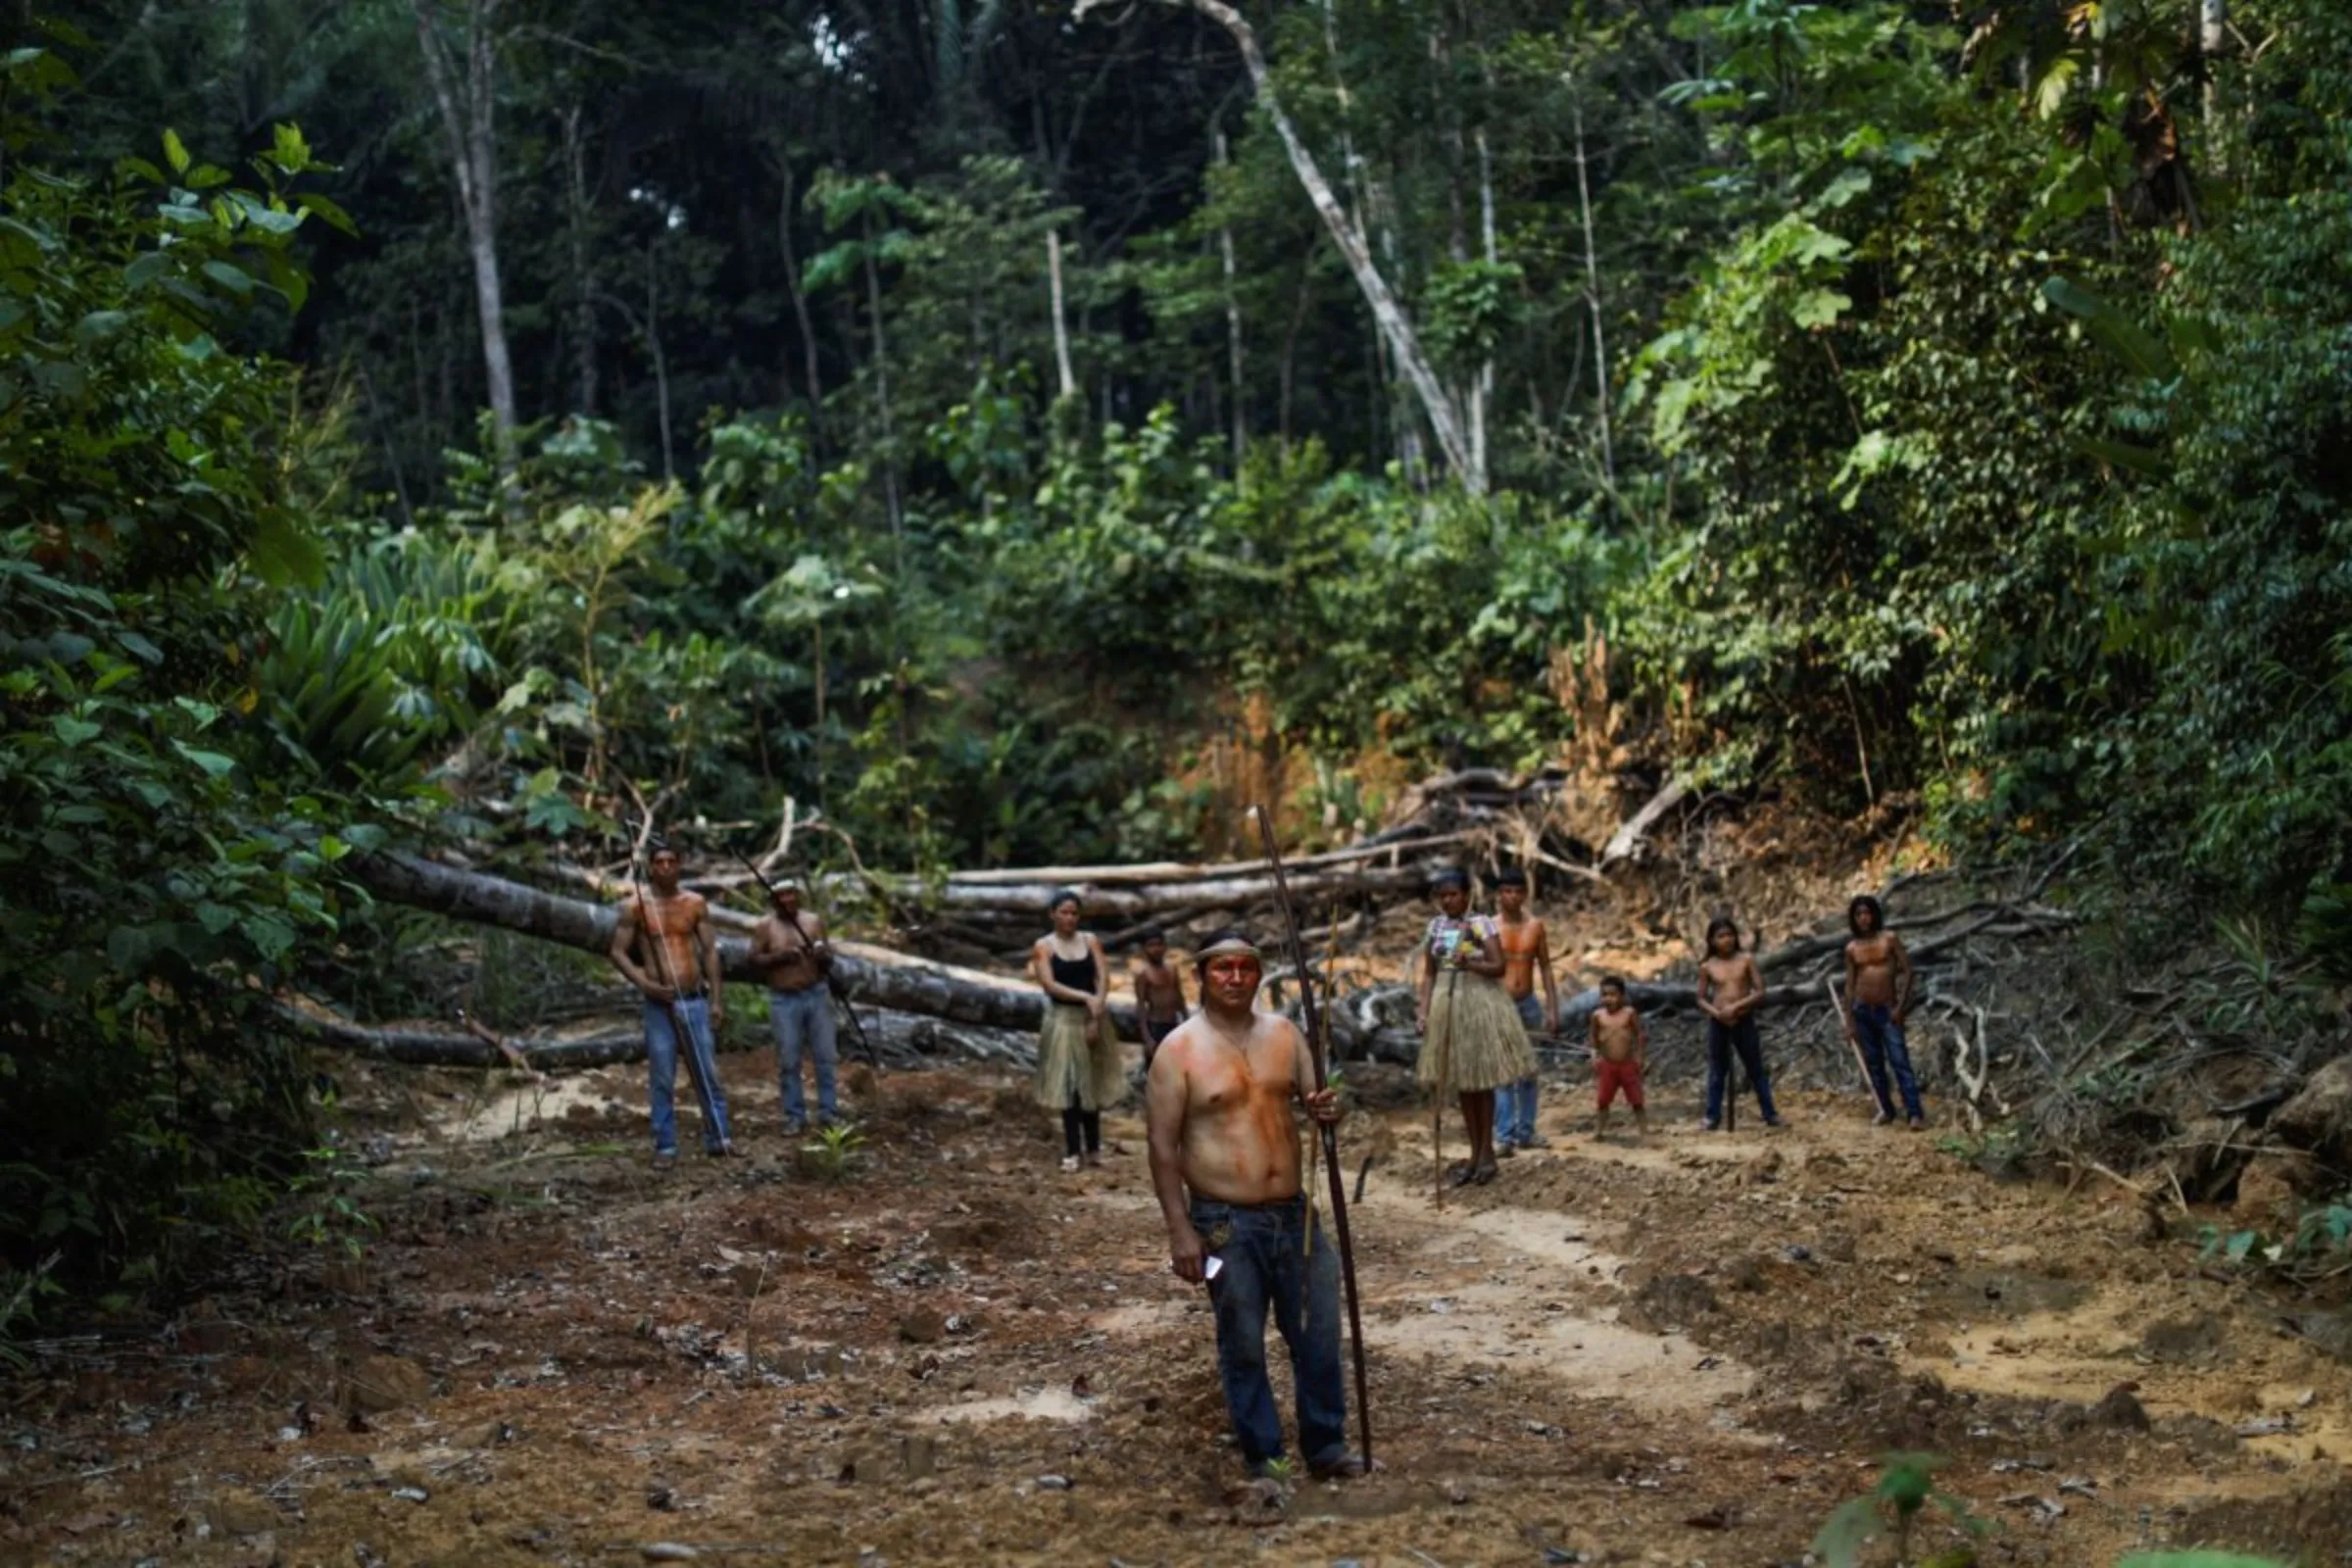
[1016,431]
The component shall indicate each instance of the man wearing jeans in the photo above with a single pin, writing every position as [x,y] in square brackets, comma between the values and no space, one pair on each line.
[663,945]
[1526,955]
[1225,1164]
[792,948]
[1878,985]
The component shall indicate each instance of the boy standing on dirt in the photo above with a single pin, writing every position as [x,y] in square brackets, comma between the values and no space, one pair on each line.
[1620,1052]
[1730,991]
[1225,1164]
[1879,986]
[1526,955]
[1158,995]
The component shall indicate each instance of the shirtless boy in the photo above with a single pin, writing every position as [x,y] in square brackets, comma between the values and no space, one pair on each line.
[664,947]
[1730,990]
[1158,995]
[792,948]
[1620,1052]
[1879,986]
[1225,1164]
[1526,958]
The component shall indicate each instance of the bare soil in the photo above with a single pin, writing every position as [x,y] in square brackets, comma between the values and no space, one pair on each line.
[1686,1349]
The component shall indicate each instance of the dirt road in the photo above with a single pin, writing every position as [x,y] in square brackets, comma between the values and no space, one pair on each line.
[1686,1350]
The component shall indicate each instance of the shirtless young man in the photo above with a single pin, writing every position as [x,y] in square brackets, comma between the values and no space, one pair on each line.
[1225,1164]
[1526,956]
[1620,1054]
[677,974]
[1879,986]
[792,948]
[1158,995]
[1730,990]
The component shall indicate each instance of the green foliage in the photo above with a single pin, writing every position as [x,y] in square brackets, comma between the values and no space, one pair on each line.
[1906,1486]
[327,1204]
[157,870]
[834,1151]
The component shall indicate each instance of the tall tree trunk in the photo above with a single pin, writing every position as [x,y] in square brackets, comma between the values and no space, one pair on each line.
[2213,36]
[652,343]
[1061,325]
[890,452]
[1482,393]
[1397,329]
[1233,328]
[791,287]
[1600,341]
[469,122]
[583,271]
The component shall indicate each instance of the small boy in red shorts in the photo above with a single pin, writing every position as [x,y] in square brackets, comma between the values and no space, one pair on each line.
[1620,1050]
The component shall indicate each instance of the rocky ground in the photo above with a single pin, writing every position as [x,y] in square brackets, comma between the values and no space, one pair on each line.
[1683,1350]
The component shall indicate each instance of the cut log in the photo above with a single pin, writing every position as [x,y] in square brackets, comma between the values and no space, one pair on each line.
[905,1039]
[874,975]
[1637,827]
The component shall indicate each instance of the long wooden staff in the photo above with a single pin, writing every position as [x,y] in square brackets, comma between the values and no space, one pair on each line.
[833,982]
[1845,1022]
[1336,1177]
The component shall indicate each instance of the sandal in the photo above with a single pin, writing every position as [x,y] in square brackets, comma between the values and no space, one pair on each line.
[1483,1175]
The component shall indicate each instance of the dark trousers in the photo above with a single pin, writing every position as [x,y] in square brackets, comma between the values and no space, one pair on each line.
[1721,1041]
[1269,1261]
[1883,1048]
[1079,1126]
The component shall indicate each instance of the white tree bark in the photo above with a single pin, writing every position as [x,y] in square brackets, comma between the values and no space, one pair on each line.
[1061,325]
[1439,405]
[470,124]
[1600,342]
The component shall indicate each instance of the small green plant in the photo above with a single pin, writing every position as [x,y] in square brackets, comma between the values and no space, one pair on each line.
[330,1215]
[2196,1560]
[1906,1486]
[20,1298]
[2319,1241]
[833,1150]
[1281,1470]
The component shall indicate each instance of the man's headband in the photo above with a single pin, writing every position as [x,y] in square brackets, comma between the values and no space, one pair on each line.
[1231,948]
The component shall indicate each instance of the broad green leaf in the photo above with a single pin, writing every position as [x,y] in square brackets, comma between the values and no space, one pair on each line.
[2141,350]
[1819,306]
[231,277]
[282,554]
[99,326]
[214,763]
[144,268]
[175,151]
[72,731]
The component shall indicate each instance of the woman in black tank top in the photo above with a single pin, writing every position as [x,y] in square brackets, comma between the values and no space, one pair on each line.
[1078,1067]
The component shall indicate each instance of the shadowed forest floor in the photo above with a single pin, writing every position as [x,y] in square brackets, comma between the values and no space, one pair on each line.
[1685,1350]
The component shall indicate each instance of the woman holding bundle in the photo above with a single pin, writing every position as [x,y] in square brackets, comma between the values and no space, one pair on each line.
[1078,1067]
[1472,1042]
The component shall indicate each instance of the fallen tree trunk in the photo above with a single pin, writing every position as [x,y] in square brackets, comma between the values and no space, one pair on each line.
[904,985]
[905,1040]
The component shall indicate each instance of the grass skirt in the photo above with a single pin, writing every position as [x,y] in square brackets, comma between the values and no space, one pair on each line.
[1074,1059]
[1475,1039]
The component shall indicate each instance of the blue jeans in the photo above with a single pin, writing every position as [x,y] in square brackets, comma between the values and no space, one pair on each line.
[1721,1041]
[1268,1263]
[805,1017]
[1883,1046]
[1515,1105]
[661,1072]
